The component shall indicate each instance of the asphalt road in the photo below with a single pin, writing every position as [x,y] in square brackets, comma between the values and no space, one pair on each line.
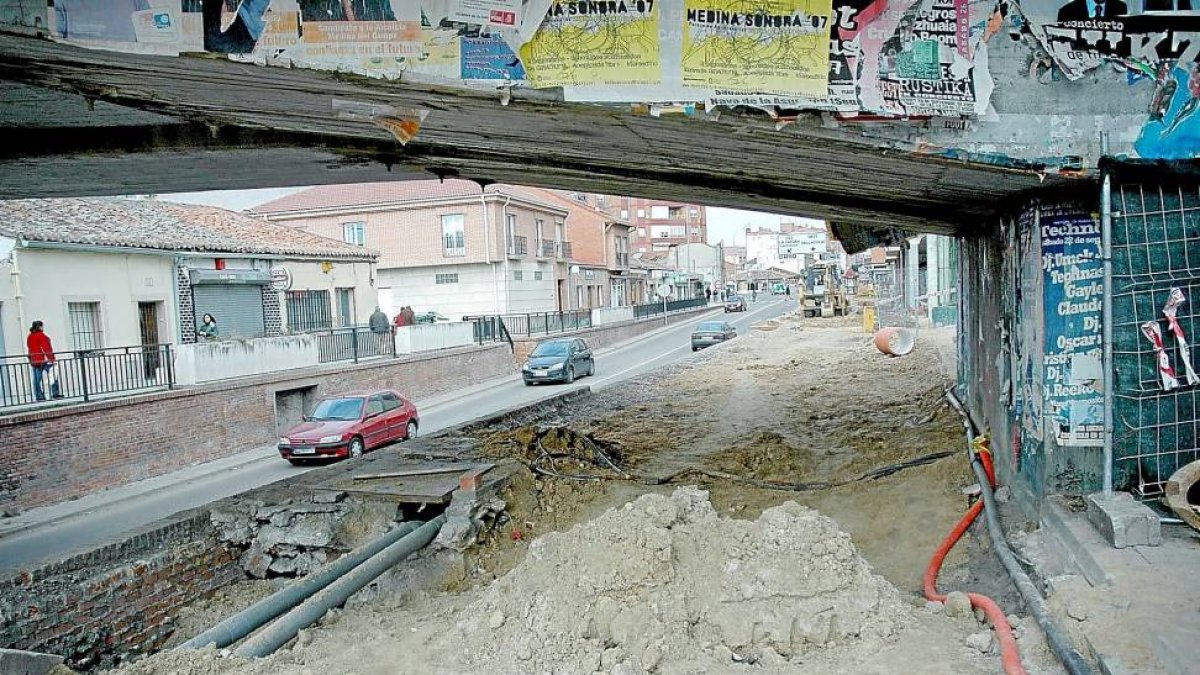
[54,532]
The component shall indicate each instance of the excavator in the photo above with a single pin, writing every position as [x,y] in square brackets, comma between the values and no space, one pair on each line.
[823,293]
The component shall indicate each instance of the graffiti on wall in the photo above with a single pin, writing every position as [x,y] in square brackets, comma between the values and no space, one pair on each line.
[1072,292]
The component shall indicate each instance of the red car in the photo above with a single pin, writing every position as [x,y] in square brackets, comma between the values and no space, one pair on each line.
[350,424]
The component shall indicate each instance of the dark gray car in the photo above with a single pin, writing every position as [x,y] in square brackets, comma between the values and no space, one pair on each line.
[712,332]
[559,360]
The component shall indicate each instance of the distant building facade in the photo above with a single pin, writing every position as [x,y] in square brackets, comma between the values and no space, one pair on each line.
[659,224]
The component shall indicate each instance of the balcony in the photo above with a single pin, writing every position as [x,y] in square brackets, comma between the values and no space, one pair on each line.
[545,248]
[518,246]
[564,250]
[622,260]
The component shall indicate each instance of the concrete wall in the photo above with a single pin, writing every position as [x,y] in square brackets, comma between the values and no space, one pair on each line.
[58,454]
[227,359]
[609,335]
[607,315]
[308,275]
[117,599]
[429,337]
[51,278]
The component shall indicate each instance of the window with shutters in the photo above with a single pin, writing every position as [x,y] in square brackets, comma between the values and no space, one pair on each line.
[454,235]
[518,275]
[86,332]
[446,278]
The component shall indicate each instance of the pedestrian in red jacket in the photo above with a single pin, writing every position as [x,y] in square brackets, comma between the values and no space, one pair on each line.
[41,359]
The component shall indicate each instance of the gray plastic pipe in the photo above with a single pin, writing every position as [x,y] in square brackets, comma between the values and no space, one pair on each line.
[274,636]
[246,621]
[1060,642]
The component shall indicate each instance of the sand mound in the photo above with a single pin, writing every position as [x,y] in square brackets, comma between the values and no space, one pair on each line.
[666,585]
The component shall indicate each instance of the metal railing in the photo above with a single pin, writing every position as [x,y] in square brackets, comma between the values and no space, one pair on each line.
[354,343]
[657,308]
[86,374]
[546,248]
[518,245]
[489,329]
[564,249]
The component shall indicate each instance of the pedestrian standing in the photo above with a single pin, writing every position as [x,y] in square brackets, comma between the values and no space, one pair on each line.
[410,317]
[42,360]
[399,321]
[208,328]
[708,295]
[378,321]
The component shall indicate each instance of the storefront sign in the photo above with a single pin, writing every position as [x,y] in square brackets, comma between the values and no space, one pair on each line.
[281,278]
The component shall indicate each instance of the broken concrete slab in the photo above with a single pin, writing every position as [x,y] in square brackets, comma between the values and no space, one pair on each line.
[1123,521]
[28,663]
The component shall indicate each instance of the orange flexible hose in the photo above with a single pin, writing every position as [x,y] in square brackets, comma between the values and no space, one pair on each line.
[1010,656]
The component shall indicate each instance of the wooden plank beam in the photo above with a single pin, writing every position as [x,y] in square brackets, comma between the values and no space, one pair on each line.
[235,122]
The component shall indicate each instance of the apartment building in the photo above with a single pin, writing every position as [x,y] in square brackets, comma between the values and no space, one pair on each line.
[454,248]
[659,224]
[599,274]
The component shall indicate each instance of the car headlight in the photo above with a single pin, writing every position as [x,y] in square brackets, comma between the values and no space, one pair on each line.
[284,441]
[557,366]
[330,439]
[526,368]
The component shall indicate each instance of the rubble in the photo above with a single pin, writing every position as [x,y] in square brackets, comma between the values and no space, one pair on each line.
[295,537]
[669,580]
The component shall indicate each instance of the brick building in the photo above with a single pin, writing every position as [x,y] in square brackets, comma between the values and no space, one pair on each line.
[121,272]
[658,224]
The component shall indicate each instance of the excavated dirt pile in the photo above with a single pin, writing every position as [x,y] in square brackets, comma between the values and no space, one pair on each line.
[665,584]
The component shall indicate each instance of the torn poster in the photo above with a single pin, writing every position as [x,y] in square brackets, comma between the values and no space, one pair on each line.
[1072,295]
[506,13]
[1175,300]
[842,93]
[490,58]
[1079,35]
[774,46]
[1162,362]
[134,26]
[928,63]
[605,43]
[402,123]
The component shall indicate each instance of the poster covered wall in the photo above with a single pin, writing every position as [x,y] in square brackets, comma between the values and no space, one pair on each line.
[588,43]
[1072,290]
[775,46]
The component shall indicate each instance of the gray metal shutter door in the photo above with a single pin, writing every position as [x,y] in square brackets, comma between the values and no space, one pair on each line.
[238,309]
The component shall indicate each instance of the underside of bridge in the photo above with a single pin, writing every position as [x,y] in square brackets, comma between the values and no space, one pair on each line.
[84,122]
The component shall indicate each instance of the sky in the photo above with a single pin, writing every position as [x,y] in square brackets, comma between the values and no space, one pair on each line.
[726,225]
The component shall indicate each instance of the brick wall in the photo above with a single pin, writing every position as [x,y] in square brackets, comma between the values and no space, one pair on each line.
[54,455]
[119,599]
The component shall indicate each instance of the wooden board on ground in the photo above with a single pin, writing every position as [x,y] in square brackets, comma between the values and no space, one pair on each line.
[427,482]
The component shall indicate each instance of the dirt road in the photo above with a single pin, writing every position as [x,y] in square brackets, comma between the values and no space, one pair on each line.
[577,579]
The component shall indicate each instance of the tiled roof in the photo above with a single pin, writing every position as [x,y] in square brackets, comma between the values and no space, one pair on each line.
[153,224]
[371,194]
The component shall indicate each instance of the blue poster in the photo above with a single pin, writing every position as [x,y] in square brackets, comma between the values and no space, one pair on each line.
[1173,130]
[1073,294]
[490,58]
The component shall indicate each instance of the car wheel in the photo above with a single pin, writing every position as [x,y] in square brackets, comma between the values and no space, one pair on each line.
[410,431]
[570,376]
[356,447]
[528,383]
[591,368]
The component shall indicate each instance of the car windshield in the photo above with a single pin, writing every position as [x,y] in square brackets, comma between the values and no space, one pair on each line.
[711,326]
[551,349]
[338,410]
[736,298]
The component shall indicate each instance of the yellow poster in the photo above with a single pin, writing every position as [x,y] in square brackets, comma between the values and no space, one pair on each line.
[595,42]
[769,46]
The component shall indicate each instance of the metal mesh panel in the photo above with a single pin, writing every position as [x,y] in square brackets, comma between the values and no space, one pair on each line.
[1155,247]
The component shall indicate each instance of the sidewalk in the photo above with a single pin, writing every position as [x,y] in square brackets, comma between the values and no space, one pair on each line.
[54,513]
